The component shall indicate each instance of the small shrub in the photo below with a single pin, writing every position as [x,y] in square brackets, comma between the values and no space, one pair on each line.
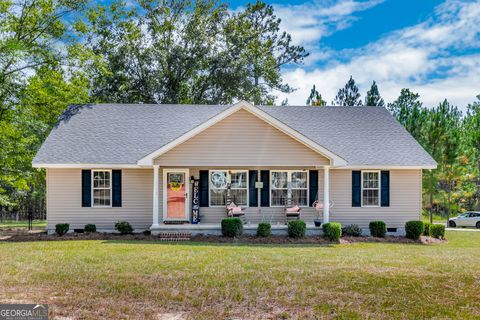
[414,229]
[352,230]
[90,228]
[426,230]
[264,229]
[123,227]
[62,228]
[437,231]
[297,229]
[232,227]
[378,229]
[332,231]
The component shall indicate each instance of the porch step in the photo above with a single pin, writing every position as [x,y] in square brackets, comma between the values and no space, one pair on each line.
[175,236]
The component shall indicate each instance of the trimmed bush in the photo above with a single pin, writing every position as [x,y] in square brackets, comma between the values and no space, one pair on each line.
[123,227]
[264,229]
[414,229]
[332,231]
[297,229]
[378,229]
[232,227]
[352,230]
[426,230]
[62,228]
[90,228]
[437,231]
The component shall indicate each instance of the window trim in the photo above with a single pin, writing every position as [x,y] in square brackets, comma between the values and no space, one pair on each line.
[289,179]
[229,180]
[93,188]
[379,189]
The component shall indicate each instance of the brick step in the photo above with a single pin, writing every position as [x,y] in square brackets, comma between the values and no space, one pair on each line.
[175,236]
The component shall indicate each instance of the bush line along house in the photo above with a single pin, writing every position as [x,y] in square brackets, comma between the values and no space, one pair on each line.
[151,165]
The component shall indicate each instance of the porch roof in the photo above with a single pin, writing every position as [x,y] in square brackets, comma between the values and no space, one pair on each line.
[125,133]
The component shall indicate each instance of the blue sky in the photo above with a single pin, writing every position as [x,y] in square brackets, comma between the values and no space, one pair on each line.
[430,46]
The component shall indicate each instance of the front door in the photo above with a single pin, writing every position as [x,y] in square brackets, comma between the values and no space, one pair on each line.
[175,193]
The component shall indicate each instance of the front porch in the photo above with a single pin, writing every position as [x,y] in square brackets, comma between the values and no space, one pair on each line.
[184,199]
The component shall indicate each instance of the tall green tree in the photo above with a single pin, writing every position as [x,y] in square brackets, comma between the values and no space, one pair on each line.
[408,110]
[182,51]
[348,95]
[472,130]
[373,97]
[315,98]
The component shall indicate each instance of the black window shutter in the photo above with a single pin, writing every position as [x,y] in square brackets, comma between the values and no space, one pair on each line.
[265,193]
[252,191]
[86,188]
[203,188]
[356,188]
[116,188]
[385,193]
[313,186]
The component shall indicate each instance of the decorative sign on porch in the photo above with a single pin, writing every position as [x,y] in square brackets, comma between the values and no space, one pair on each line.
[195,202]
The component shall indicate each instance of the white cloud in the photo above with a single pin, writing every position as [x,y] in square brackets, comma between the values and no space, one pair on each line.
[309,22]
[426,58]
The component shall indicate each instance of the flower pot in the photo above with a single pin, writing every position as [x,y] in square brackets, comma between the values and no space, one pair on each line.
[317,222]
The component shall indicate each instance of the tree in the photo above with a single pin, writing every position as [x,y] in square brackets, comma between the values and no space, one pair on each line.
[472,130]
[408,110]
[373,97]
[179,51]
[315,98]
[348,96]
[32,35]
[256,44]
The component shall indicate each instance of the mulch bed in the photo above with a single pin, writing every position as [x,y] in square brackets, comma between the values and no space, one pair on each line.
[24,236]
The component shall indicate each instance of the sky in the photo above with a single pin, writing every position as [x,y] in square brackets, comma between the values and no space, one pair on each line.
[429,46]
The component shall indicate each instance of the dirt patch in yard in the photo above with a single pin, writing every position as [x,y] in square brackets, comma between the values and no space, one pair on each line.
[26,236]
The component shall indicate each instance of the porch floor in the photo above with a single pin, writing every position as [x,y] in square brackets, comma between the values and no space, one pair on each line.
[215,228]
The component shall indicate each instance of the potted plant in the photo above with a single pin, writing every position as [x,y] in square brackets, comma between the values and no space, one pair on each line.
[318,222]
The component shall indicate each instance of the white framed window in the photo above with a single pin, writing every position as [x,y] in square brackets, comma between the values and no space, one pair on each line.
[101,188]
[371,188]
[219,180]
[283,181]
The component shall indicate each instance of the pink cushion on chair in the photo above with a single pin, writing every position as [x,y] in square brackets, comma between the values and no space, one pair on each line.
[237,209]
[294,209]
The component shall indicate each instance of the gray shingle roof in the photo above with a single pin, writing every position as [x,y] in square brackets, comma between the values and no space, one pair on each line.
[125,133]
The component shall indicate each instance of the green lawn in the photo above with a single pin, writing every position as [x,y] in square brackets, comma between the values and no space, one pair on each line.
[113,279]
[22,224]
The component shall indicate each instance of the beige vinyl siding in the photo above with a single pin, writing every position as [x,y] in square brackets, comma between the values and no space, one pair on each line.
[64,200]
[405,200]
[241,139]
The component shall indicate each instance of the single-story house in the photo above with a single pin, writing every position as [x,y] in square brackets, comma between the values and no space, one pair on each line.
[183,167]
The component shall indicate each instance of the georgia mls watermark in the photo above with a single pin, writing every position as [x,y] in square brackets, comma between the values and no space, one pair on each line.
[23,311]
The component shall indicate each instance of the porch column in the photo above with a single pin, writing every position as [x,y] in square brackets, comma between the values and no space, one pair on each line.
[155,197]
[326,194]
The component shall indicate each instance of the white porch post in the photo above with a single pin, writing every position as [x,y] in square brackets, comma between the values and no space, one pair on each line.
[326,194]
[155,197]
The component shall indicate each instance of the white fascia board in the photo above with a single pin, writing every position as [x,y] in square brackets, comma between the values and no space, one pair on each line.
[385,167]
[87,166]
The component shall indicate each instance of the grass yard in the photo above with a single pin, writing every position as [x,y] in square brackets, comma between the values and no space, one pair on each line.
[138,280]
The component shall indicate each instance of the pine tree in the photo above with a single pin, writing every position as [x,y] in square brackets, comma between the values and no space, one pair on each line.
[373,97]
[348,96]
[315,98]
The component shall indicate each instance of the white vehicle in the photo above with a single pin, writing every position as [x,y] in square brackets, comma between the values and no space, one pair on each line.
[467,219]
